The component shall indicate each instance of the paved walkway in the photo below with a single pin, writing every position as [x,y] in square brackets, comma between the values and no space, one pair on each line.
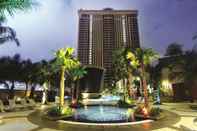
[187,117]
[22,121]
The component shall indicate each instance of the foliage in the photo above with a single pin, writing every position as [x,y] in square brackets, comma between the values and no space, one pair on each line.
[140,59]
[68,66]
[155,111]
[120,64]
[133,61]
[122,70]
[126,103]
[183,68]
[138,109]
[8,34]
[15,69]
[111,91]
[146,55]
[174,49]
[10,7]
[77,73]
[57,112]
[64,59]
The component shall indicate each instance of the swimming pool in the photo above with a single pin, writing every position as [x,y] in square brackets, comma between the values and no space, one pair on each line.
[104,114]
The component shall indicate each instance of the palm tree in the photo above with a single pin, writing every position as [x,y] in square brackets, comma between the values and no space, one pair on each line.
[132,65]
[64,62]
[7,34]
[76,74]
[10,7]
[120,69]
[141,58]
[145,57]
[26,73]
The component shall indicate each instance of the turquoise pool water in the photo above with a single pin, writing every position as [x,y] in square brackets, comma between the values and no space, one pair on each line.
[104,114]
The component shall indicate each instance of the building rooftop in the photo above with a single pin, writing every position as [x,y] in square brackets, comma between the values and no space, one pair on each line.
[107,11]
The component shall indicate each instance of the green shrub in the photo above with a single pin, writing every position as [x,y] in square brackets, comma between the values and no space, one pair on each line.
[125,103]
[57,111]
[155,111]
[66,111]
[138,109]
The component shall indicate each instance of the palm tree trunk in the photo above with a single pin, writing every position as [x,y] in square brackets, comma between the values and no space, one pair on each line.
[129,85]
[124,89]
[144,84]
[62,87]
[32,91]
[11,94]
[26,88]
[73,92]
[77,91]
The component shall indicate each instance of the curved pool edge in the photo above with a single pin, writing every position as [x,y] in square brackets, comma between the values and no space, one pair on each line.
[37,119]
[105,124]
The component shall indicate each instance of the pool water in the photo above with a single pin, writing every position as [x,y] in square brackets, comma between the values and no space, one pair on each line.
[104,114]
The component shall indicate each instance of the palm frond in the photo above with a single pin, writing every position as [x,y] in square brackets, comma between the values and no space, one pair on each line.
[8,34]
[11,6]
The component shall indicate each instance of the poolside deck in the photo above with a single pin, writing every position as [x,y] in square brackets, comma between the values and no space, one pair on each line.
[182,120]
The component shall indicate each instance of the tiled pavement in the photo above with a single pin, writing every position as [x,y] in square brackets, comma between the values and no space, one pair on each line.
[22,122]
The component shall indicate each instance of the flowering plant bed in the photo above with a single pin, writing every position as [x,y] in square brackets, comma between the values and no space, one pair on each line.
[149,113]
[57,113]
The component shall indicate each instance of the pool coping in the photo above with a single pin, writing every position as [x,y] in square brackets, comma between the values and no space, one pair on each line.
[105,124]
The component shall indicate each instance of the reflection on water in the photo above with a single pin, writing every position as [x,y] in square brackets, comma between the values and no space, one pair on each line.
[102,114]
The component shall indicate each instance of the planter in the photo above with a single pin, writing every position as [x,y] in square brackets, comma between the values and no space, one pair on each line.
[56,118]
[158,117]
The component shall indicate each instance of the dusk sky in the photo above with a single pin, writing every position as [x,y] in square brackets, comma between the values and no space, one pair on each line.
[54,24]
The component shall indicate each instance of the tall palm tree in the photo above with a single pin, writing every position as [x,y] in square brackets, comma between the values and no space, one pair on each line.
[64,62]
[121,70]
[76,74]
[141,58]
[132,65]
[26,73]
[10,7]
[145,57]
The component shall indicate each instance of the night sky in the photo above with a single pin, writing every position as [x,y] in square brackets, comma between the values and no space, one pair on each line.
[54,24]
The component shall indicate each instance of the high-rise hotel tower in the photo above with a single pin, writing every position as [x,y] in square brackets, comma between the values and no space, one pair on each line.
[103,31]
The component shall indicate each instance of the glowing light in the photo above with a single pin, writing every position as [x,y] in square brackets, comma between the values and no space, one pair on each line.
[85,95]
[44,98]
[74,101]
[166,84]
[145,111]
[86,107]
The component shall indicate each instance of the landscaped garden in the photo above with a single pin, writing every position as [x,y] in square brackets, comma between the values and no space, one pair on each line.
[64,94]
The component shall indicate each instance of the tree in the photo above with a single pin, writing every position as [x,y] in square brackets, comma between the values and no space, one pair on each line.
[64,62]
[132,64]
[26,73]
[119,69]
[122,70]
[174,49]
[141,58]
[10,71]
[184,68]
[10,7]
[76,74]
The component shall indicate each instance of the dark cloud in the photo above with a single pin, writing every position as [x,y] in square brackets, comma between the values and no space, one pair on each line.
[55,24]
